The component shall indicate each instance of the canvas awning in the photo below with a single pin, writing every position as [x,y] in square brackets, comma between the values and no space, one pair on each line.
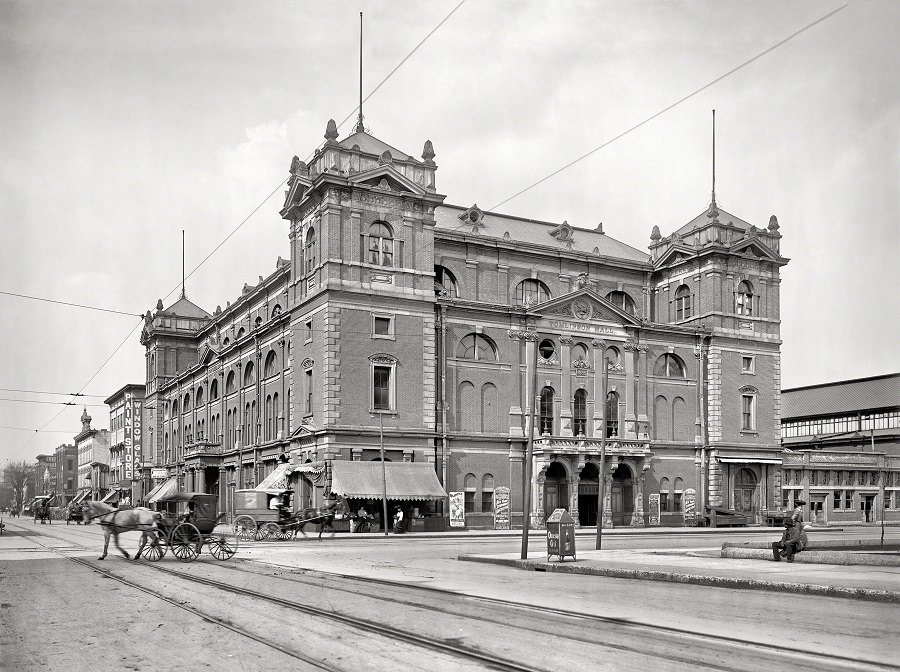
[80,496]
[408,481]
[111,498]
[165,489]
[749,459]
[277,480]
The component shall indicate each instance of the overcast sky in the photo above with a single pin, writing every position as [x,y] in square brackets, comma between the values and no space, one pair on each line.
[124,123]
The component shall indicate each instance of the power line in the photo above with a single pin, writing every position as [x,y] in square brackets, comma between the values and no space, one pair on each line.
[673,105]
[55,403]
[42,431]
[64,394]
[67,303]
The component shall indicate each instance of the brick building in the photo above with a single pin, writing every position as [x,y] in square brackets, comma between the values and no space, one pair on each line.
[66,473]
[126,480]
[405,322]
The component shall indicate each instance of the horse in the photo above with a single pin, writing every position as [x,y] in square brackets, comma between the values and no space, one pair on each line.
[321,516]
[114,521]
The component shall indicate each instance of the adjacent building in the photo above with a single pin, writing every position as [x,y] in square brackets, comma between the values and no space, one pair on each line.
[66,473]
[842,450]
[92,447]
[126,464]
[436,332]
[45,475]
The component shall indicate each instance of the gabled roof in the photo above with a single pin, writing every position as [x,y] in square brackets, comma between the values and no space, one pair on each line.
[585,304]
[703,218]
[391,180]
[547,234]
[846,396]
[185,308]
[372,145]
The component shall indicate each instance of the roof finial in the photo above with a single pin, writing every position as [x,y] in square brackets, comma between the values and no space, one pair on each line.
[182,265]
[714,160]
[360,127]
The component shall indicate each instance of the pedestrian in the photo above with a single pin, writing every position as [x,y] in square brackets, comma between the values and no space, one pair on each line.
[797,516]
[791,542]
[399,527]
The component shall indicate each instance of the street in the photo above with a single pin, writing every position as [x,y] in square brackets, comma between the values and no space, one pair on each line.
[59,613]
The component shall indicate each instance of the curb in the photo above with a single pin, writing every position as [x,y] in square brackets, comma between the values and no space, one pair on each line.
[829,557]
[696,579]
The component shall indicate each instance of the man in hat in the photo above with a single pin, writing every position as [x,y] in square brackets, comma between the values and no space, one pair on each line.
[791,542]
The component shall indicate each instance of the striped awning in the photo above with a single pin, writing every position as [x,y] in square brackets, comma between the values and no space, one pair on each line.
[80,497]
[405,481]
[165,489]
[111,498]
[277,480]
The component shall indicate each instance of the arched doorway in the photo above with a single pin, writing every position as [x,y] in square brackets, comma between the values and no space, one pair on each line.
[556,489]
[622,495]
[588,491]
[746,487]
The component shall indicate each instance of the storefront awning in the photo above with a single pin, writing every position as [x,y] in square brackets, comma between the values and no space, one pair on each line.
[111,498]
[165,489]
[80,497]
[277,480]
[749,459]
[408,481]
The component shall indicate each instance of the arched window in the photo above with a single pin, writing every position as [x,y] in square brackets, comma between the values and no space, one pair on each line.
[445,283]
[186,406]
[487,493]
[579,354]
[269,367]
[246,425]
[276,311]
[226,341]
[241,333]
[622,301]
[214,389]
[579,413]
[490,408]
[613,356]
[310,250]
[466,407]
[743,299]
[469,487]
[229,383]
[248,374]
[275,413]
[676,494]
[199,397]
[530,292]
[669,366]
[664,495]
[612,414]
[257,322]
[682,303]
[175,409]
[745,490]
[546,409]
[268,419]
[662,427]
[477,347]
[381,244]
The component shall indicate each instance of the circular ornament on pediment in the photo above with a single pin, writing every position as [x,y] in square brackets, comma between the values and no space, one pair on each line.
[582,309]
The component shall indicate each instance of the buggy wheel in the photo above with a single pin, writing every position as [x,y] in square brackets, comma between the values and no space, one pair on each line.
[286,533]
[245,528]
[270,532]
[156,549]
[186,541]
[223,543]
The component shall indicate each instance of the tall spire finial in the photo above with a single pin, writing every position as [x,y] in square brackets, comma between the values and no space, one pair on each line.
[360,127]
[714,159]
[182,265]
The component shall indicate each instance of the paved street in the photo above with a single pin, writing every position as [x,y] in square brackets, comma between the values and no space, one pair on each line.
[42,589]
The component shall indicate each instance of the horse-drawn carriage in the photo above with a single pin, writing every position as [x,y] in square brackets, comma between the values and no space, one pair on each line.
[40,507]
[186,534]
[256,519]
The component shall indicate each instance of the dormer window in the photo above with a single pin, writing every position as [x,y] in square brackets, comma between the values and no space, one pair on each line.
[381,245]
[682,303]
[743,299]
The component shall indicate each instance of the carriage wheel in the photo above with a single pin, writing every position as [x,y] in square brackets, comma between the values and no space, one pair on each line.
[286,533]
[270,532]
[156,549]
[223,543]
[186,541]
[245,528]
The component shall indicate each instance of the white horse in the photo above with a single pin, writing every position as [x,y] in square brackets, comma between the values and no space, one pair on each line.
[114,521]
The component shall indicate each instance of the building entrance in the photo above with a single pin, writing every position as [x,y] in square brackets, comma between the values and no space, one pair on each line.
[746,493]
[556,490]
[867,505]
[588,492]
[622,496]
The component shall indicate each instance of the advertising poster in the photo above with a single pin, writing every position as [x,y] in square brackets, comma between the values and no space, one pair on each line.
[127,436]
[501,508]
[689,502]
[457,509]
[654,509]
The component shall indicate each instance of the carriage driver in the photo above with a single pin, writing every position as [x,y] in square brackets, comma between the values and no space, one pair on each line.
[276,503]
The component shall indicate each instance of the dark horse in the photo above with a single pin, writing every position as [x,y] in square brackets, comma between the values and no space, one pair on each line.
[114,521]
[321,516]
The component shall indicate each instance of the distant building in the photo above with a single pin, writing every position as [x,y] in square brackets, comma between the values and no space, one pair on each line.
[45,475]
[66,473]
[842,449]
[92,446]
[126,464]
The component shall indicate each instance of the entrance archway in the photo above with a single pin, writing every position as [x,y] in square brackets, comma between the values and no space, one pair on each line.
[746,492]
[588,491]
[556,489]
[622,495]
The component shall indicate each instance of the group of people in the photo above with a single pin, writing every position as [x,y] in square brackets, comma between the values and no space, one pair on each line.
[793,540]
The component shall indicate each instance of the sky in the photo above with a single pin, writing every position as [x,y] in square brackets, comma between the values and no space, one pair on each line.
[124,124]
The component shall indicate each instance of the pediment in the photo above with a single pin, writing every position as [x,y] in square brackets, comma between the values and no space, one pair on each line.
[585,305]
[386,178]
[206,354]
[755,248]
[677,254]
[305,429]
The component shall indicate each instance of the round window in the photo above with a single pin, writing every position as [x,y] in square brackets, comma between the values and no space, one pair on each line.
[547,348]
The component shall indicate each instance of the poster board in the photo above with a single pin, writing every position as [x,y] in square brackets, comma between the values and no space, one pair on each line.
[457,509]
[501,508]
[653,518]
[689,503]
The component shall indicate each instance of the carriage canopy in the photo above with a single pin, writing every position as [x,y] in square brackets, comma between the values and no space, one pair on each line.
[410,481]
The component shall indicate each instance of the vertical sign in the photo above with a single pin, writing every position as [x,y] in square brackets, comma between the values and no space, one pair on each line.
[654,508]
[457,509]
[501,508]
[689,502]
[137,414]
[128,458]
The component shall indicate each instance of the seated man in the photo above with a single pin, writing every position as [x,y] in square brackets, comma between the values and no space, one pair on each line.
[791,542]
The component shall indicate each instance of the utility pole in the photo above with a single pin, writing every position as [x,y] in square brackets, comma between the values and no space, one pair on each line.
[601,493]
[529,452]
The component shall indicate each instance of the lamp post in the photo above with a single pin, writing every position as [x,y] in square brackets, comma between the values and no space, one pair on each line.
[601,491]
[529,451]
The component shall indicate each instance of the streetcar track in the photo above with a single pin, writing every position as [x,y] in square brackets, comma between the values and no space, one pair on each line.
[729,644]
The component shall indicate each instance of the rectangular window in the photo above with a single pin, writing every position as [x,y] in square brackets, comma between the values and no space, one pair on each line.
[748,413]
[487,501]
[308,331]
[470,501]
[836,500]
[785,499]
[848,498]
[309,391]
[747,364]
[677,507]
[381,388]
[663,501]
[382,326]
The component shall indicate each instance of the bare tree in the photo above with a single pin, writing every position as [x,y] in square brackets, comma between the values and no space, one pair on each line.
[16,478]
